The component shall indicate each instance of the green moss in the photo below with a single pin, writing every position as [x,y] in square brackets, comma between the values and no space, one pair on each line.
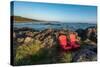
[25,51]
[66,58]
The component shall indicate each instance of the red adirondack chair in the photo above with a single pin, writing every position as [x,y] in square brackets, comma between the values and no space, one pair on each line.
[64,43]
[73,40]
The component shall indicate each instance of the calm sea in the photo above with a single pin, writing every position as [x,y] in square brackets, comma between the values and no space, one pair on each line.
[53,25]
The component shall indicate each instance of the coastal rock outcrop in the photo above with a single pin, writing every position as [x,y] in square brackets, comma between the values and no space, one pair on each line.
[47,39]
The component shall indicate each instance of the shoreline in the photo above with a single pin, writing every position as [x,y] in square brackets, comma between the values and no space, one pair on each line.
[51,22]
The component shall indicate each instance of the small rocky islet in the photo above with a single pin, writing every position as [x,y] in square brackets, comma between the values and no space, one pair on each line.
[32,46]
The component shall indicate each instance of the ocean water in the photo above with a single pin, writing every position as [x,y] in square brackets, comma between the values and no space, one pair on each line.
[53,25]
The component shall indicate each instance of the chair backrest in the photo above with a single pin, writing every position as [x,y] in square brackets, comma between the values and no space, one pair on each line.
[72,37]
[63,39]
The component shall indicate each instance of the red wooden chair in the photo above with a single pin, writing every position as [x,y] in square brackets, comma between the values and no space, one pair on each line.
[64,43]
[73,40]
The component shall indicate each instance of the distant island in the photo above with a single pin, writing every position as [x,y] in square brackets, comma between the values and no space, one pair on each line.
[24,19]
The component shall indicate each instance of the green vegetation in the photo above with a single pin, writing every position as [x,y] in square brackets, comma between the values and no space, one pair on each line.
[67,57]
[26,51]
[36,54]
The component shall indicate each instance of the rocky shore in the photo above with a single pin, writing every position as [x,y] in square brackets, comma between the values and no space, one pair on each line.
[40,47]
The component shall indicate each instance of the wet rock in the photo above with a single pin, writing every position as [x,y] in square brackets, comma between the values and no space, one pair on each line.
[20,35]
[86,54]
[89,42]
[28,40]
[29,34]
[92,48]
[88,33]
[20,40]
[91,33]
[81,33]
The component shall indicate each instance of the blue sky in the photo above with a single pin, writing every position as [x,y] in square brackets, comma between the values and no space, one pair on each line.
[56,12]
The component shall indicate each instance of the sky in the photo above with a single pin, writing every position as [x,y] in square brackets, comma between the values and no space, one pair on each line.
[55,12]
